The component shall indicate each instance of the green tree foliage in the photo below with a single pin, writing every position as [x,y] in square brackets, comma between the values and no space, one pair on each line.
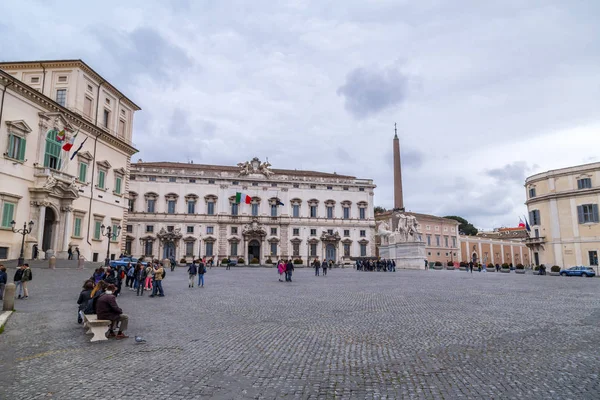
[464,227]
[379,209]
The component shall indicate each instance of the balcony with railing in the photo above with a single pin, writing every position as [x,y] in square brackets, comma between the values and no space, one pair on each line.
[535,241]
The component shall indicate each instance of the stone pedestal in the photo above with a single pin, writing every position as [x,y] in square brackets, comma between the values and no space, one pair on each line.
[407,255]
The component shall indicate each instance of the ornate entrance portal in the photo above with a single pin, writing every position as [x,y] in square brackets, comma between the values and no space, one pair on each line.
[49,221]
[254,250]
[330,252]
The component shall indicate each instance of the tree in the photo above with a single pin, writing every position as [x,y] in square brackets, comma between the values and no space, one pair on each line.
[464,227]
[379,209]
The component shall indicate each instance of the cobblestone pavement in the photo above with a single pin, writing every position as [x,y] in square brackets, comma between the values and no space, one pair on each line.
[350,335]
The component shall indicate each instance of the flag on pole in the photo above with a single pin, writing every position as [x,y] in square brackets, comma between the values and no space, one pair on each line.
[521,223]
[60,136]
[67,146]
[79,148]
[279,203]
[527,225]
[241,197]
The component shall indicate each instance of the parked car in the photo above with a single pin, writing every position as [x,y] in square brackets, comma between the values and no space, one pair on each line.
[578,271]
[123,261]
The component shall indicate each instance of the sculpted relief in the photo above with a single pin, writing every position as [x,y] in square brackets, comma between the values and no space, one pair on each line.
[255,166]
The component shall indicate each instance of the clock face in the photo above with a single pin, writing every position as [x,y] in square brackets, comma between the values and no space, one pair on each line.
[255,164]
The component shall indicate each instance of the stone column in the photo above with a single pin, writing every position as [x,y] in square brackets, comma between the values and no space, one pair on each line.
[398,199]
[512,255]
[480,255]
[40,232]
[66,227]
[502,250]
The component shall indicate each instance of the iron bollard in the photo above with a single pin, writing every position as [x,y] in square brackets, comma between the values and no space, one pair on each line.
[52,262]
[80,262]
[9,297]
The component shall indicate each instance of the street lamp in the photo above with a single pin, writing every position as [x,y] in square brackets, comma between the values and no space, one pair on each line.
[23,232]
[107,231]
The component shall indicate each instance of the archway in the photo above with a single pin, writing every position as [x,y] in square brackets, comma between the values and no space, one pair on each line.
[474,258]
[330,252]
[254,250]
[49,222]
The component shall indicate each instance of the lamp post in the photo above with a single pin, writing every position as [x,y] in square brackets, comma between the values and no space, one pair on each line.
[23,232]
[107,231]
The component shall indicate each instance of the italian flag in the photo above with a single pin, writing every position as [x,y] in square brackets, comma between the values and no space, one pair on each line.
[67,146]
[241,197]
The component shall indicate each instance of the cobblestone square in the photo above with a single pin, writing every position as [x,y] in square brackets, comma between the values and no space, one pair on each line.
[350,335]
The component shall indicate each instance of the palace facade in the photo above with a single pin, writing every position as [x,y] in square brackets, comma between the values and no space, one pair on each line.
[563,214]
[68,198]
[186,210]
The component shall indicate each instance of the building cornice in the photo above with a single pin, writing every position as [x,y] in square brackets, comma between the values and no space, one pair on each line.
[20,65]
[562,195]
[554,173]
[40,99]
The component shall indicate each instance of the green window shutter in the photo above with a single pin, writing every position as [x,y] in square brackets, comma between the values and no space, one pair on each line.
[7,214]
[11,144]
[82,172]
[101,179]
[22,144]
[97,230]
[118,186]
[77,230]
[595,213]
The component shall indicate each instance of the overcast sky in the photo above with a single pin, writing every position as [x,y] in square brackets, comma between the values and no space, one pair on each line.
[484,93]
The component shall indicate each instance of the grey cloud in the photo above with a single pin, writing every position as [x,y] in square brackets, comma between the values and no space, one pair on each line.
[181,126]
[412,158]
[369,91]
[515,172]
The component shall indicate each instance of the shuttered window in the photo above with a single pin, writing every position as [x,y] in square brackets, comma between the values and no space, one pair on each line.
[16,147]
[8,211]
[534,217]
[587,213]
[118,181]
[77,228]
[97,225]
[52,153]
[83,172]
[584,183]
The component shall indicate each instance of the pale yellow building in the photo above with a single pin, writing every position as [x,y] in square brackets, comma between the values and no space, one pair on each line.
[67,197]
[563,215]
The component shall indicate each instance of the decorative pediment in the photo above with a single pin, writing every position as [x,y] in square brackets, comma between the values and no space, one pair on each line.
[19,126]
[55,184]
[296,240]
[189,239]
[233,239]
[85,155]
[328,237]
[273,239]
[254,229]
[313,240]
[151,195]
[255,167]
[146,238]
[55,120]
[347,241]
[104,164]
[210,239]
[363,241]
[169,236]
[120,171]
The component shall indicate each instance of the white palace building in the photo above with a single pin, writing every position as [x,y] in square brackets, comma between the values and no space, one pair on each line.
[65,140]
[186,210]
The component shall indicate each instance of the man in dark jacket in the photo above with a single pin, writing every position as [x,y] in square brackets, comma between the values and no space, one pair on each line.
[17,279]
[3,280]
[192,271]
[288,271]
[107,309]
[324,267]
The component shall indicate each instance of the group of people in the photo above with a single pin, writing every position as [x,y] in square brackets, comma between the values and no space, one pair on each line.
[70,253]
[100,299]
[324,265]
[196,270]
[377,265]
[285,267]
[22,277]
[138,277]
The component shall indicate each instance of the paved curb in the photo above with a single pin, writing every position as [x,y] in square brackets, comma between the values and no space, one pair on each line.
[4,317]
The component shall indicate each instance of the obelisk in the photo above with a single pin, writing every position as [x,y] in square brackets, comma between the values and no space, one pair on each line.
[398,200]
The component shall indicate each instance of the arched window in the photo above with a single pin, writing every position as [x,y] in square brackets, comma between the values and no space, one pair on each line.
[52,155]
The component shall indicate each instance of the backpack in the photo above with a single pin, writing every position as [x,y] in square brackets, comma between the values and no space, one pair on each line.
[164,273]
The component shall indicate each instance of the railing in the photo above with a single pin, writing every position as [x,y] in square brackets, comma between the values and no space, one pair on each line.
[535,241]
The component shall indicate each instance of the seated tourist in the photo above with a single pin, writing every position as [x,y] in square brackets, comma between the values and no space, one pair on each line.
[107,309]
[84,298]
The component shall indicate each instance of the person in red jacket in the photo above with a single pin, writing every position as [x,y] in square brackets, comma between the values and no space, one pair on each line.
[107,309]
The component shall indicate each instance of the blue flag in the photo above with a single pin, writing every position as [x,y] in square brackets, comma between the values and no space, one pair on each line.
[279,203]
[79,148]
[527,227]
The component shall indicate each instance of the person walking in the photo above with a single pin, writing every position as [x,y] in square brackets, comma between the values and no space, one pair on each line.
[288,271]
[201,272]
[140,277]
[317,265]
[149,274]
[129,280]
[3,280]
[280,270]
[471,266]
[26,278]
[70,253]
[77,252]
[324,266]
[192,271]
[17,279]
